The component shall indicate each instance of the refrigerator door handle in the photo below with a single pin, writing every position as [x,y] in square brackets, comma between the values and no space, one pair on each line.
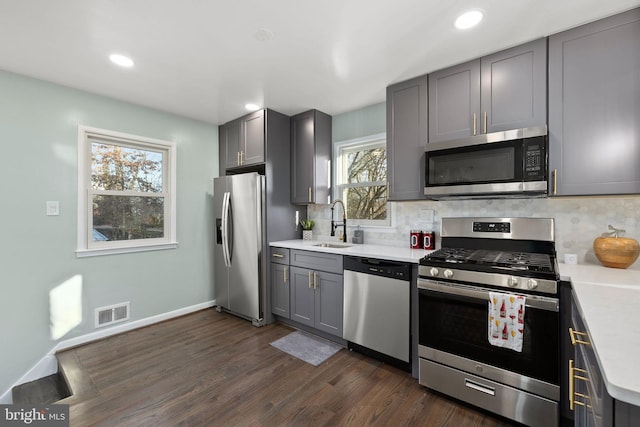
[225,229]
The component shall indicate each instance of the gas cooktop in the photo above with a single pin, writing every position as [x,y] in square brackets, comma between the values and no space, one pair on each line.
[518,261]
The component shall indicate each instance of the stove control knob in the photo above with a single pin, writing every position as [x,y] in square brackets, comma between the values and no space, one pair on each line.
[532,283]
[512,282]
[434,271]
[448,274]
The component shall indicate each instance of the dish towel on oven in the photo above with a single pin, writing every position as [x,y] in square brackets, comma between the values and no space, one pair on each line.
[506,320]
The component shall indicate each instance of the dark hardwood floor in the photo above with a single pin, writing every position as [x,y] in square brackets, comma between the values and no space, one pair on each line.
[210,368]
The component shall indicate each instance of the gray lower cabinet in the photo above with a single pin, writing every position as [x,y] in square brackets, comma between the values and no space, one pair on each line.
[310,157]
[316,290]
[503,91]
[242,141]
[280,282]
[406,138]
[594,108]
[588,397]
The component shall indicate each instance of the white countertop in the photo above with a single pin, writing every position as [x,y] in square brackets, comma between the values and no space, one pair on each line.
[393,253]
[609,299]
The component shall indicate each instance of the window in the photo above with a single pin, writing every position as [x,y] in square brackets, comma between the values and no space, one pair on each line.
[361,179]
[126,193]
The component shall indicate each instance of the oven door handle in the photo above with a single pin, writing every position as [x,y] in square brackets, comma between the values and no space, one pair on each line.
[532,301]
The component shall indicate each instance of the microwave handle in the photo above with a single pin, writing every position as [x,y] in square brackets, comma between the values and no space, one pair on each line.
[532,301]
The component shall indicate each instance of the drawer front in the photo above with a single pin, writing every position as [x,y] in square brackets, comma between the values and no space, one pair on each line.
[331,263]
[280,255]
[492,396]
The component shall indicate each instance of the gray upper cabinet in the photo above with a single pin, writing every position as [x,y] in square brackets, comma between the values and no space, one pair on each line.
[311,156]
[253,150]
[242,141]
[229,135]
[514,87]
[594,108]
[454,102]
[406,138]
[506,90]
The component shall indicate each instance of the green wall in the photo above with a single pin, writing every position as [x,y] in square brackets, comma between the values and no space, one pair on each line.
[366,121]
[38,133]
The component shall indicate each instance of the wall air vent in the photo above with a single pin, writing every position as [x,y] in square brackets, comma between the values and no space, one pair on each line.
[112,314]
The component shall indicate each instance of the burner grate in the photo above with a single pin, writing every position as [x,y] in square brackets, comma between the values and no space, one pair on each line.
[504,260]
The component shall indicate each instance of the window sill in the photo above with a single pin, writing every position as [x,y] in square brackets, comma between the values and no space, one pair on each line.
[85,253]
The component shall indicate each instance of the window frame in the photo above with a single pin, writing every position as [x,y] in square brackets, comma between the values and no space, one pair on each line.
[86,246]
[366,142]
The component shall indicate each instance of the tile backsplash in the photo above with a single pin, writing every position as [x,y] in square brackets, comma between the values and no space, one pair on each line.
[578,221]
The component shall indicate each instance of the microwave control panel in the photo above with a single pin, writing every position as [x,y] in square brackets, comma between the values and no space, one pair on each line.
[535,158]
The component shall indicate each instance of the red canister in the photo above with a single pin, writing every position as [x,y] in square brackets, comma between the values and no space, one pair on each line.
[428,240]
[415,239]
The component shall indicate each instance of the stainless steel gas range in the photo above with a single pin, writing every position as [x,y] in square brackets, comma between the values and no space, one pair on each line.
[482,259]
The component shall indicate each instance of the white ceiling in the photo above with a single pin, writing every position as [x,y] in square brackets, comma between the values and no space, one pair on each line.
[204,58]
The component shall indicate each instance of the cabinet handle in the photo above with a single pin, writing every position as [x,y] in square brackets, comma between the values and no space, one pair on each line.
[241,157]
[309,280]
[238,158]
[485,122]
[572,392]
[574,340]
[475,124]
[315,280]
[285,275]
[277,255]
[555,181]
[310,194]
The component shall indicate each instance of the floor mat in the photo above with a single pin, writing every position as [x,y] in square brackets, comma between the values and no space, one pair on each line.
[307,347]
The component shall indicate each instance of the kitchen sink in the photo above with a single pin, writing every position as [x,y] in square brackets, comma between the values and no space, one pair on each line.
[333,245]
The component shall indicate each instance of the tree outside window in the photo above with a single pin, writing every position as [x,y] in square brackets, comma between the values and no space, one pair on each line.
[361,180]
[126,189]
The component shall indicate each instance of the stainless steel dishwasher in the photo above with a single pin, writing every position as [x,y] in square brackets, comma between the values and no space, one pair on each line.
[377,296]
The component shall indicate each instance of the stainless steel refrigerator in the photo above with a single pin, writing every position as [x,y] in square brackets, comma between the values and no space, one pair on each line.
[240,244]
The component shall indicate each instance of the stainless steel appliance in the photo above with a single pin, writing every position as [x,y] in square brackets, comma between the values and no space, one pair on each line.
[495,165]
[376,308]
[478,256]
[240,246]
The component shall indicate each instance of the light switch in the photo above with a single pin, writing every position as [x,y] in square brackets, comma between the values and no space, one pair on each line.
[53,208]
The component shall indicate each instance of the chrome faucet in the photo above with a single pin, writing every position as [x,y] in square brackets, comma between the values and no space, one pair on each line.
[335,224]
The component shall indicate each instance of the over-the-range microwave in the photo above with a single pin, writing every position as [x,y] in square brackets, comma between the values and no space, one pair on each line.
[509,164]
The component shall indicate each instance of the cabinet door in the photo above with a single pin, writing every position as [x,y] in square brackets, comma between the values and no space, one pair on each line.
[406,138]
[310,157]
[230,135]
[328,302]
[302,296]
[302,150]
[594,113]
[253,147]
[454,102]
[280,289]
[514,88]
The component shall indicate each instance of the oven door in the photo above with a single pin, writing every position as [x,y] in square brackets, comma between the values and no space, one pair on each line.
[453,330]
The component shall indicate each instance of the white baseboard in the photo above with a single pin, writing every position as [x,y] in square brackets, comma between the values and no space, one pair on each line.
[48,365]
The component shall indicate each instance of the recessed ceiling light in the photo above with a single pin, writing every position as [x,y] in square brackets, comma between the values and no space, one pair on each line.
[468,20]
[252,107]
[121,60]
